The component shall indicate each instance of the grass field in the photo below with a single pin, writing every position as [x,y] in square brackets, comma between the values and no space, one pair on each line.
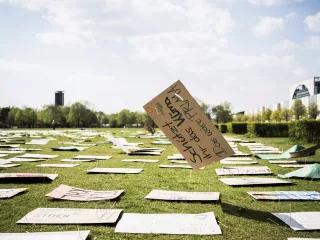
[239,215]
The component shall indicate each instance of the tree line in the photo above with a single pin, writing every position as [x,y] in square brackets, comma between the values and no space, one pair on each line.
[76,115]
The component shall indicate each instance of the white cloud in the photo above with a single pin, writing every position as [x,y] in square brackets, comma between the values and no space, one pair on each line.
[273,2]
[312,42]
[268,25]
[18,66]
[286,45]
[313,22]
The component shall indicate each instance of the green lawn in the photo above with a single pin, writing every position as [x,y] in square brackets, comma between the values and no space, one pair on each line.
[239,215]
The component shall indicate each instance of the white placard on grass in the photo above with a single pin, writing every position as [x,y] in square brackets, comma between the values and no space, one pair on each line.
[21,176]
[300,221]
[116,170]
[158,194]
[77,160]
[70,235]
[65,192]
[71,216]
[140,160]
[191,224]
[16,159]
[282,161]
[260,170]
[176,166]
[9,165]
[293,165]
[58,165]
[38,156]
[91,157]
[11,192]
[251,181]
[286,195]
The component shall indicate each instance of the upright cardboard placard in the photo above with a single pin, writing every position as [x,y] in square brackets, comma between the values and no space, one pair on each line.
[183,121]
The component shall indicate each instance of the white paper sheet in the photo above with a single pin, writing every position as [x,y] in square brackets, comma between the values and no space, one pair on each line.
[91,157]
[16,159]
[116,170]
[59,165]
[194,224]
[158,194]
[261,170]
[300,221]
[71,235]
[41,156]
[38,142]
[71,216]
[253,181]
[28,176]
[8,193]
[9,165]
[77,160]
[286,195]
[65,192]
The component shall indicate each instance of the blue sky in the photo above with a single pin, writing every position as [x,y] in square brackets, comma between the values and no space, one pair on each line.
[118,54]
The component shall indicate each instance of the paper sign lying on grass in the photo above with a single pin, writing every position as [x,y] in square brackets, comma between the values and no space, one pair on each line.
[38,142]
[71,216]
[261,170]
[303,238]
[16,159]
[183,121]
[91,157]
[253,181]
[9,165]
[77,160]
[65,192]
[71,235]
[193,224]
[300,221]
[157,194]
[223,161]
[116,170]
[11,152]
[293,165]
[8,193]
[140,160]
[282,161]
[28,176]
[286,195]
[69,148]
[33,155]
[238,159]
[175,166]
[58,165]
[3,155]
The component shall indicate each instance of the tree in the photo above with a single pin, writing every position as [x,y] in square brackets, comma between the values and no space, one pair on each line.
[313,110]
[4,113]
[222,112]
[30,117]
[77,115]
[124,116]
[298,109]
[266,115]
[276,115]
[286,114]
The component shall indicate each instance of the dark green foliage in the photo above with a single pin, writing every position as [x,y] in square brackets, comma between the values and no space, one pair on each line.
[237,127]
[305,131]
[223,128]
[268,129]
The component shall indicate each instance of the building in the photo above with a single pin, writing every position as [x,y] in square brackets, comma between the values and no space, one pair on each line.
[59,98]
[308,91]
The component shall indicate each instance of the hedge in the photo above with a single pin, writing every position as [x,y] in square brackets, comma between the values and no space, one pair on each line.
[268,129]
[223,128]
[305,131]
[237,127]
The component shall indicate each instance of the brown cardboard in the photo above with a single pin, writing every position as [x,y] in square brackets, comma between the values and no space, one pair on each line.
[182,120]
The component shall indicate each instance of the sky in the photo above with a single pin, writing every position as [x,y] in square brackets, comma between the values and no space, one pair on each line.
[118,54]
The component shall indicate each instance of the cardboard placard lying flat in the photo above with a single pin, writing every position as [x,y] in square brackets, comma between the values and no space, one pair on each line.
[238,159]
[286,195]
[3,155]
[78,160]
[59,165]
[71,235]
[16,159]
[9,165]
[175,166]
[183,121]
[195,224]
[8,193]
[293,165]
[300,221]
[282,161]
[71,216]
[238,162]
[28,176]
[303,238]
[65,192]
[116,170]
[253,181]
[157,194]
[69,148]
[38,156]
[91,157]
[38,141]
[140,160]
[261,170]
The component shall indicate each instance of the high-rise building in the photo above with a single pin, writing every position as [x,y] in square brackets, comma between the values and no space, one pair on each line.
[59,98]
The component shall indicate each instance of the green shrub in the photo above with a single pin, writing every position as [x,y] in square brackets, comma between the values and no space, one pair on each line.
[237,127]
[268,129]
[223,128]
[305,131]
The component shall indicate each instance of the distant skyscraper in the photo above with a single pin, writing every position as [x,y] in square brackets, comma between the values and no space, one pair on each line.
[59,98]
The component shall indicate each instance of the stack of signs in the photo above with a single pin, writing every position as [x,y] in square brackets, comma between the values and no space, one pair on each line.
[286,195]
[300,221]
[65,192]
[261,170]
[195,224]
[116,170]
[71,235]
[71,216]
[165,195]
[11,192]
[182,120]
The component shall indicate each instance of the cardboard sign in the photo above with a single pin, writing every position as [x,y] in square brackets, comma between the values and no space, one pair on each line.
[175,166]
[300,221]
[253,181]
[58,165]
[286,195]
[3,155]
[195,224]
[91,157]
[71,235]
[38,156]
[293,165]
[71,216]
[116,170]
[16,159]
[9,165]
[38,142]
[157,194]
[69,148]
[65,192]
[227,162]
[182,120]
[28,176]
[261,170]
[77,160]
[140,160]
[8,193]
